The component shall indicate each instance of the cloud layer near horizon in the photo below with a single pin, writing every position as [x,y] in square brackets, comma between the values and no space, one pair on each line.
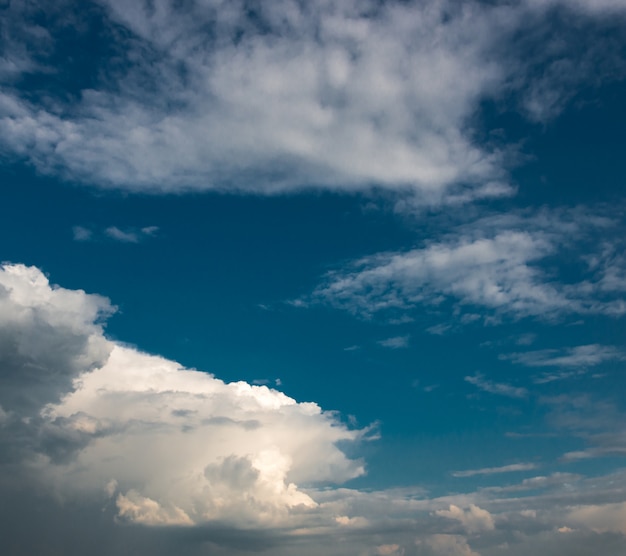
[91,427]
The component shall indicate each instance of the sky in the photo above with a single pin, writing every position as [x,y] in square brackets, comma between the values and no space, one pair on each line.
[329,278]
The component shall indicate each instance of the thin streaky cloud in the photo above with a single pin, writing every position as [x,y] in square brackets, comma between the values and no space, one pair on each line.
[512,468]
[130,236]
[495,263]
[588,355]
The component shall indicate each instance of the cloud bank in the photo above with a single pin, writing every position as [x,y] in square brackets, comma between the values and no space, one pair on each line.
[168,445]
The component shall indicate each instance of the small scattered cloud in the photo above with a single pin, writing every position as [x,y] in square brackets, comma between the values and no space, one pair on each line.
[396,342]
[149,230]
[439,329]
[123,236]
[498,388]
[81,234]
[526,339]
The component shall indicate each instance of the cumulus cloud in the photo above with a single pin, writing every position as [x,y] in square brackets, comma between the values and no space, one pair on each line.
[50,335]
[473,519]
[342,95]
[169,446]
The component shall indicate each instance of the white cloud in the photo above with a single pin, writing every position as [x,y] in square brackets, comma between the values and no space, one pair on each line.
[494,272]
[498,388]
[495,263]
[342,95]
[336,94]
[177,446]
[125,237]
[473,518]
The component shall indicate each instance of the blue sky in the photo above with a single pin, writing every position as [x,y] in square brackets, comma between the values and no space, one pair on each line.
[336,279]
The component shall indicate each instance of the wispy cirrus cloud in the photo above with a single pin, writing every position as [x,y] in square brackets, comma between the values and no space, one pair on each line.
[512,468]
[498,388]
[579,356]
[498,264]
